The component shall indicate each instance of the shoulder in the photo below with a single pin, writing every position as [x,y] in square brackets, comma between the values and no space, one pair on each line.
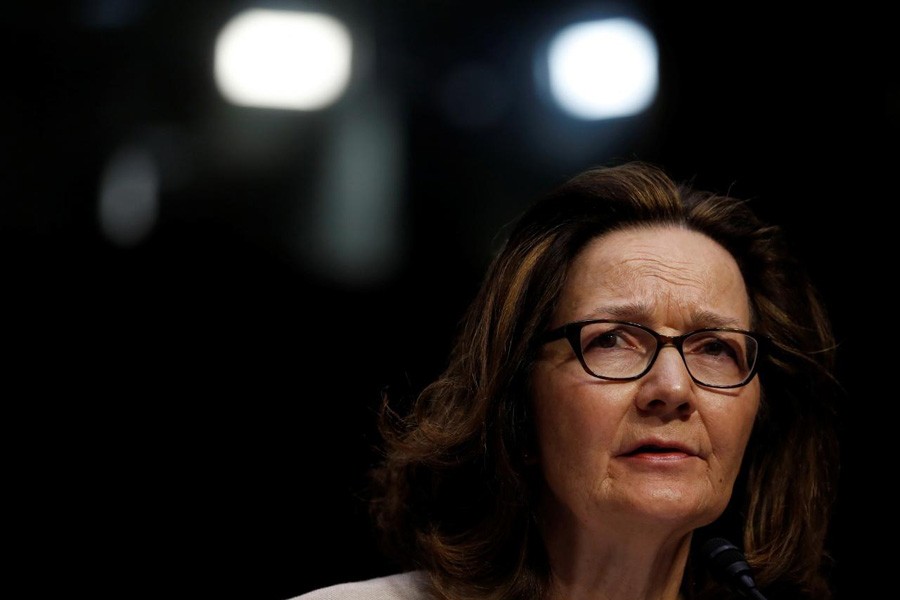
[400,586]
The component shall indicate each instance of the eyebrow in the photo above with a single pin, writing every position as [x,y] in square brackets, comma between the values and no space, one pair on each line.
[641,313]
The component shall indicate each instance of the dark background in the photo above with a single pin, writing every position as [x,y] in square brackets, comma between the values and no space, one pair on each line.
[193,415]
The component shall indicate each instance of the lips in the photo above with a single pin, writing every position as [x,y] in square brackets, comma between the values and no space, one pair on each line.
[645,447]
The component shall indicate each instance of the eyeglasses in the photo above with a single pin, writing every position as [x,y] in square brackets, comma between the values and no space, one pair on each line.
[717,357]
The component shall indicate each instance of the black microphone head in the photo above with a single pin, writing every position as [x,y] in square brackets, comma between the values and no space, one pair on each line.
[724,557]
[729,565]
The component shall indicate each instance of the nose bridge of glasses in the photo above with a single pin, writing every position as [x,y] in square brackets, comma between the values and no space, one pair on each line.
[673,343]
[670,341]
[667,340]
[676,342]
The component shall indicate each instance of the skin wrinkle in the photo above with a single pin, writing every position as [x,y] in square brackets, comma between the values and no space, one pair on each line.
[649,264]
[640,310]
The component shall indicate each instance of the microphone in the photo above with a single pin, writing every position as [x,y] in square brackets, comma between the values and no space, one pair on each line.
[728,565]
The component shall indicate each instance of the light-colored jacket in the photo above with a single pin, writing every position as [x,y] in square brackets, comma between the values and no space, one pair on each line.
[401,586]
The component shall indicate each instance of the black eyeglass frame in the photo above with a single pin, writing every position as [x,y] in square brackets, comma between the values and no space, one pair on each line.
[572,333]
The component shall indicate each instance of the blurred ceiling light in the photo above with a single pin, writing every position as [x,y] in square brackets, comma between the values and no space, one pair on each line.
[283,59]
[603,69]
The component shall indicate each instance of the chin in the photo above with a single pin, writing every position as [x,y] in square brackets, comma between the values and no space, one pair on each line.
[674,505]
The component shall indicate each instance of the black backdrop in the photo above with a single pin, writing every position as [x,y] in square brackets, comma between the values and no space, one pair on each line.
[193,416]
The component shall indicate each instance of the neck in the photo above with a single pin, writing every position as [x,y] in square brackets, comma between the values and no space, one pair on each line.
[637,566]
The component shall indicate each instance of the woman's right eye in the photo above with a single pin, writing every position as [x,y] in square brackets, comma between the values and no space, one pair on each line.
[604,340]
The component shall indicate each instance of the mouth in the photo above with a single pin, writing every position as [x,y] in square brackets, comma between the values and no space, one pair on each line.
[658,449]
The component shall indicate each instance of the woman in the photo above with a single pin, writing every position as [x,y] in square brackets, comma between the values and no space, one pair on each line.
[645,367]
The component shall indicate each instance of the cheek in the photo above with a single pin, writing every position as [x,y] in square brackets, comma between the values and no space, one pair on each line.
[573,419]
[730,426]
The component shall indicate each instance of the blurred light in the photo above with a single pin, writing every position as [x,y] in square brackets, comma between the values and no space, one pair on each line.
[283,59]
[356,225]
[603,69]
[129,196]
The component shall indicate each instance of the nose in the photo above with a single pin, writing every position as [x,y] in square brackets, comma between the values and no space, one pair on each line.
[667,389]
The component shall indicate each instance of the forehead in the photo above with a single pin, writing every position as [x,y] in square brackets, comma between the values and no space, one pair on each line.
[659,273]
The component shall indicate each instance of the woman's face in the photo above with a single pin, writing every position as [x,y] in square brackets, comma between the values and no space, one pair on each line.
[661,449]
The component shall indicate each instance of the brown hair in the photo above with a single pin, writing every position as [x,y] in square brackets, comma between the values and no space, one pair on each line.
[455,496]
